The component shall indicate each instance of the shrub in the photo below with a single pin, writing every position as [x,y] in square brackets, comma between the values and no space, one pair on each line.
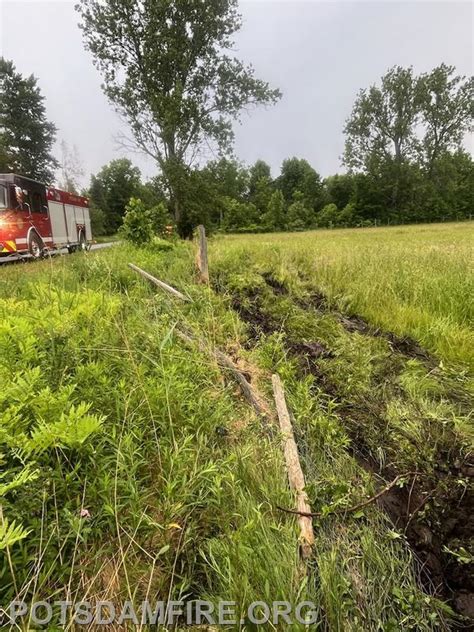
[348,216]
[141,224]
[328,217]
[299,216]
[238,216]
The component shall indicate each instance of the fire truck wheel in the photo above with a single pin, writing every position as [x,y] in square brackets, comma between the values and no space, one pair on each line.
[82,241]
[35,246]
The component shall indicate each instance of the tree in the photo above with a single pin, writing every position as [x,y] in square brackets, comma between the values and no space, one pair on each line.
[71,168]
[98,220]
[451,194]
[340,189]
[166,68]
[230,177]
[262,194]
[398,135]
[26,137]
[203,204]
[222,180]
[328,216]
[152,192]
[298,175]
[274,218]
[239,216]
[382,123]
[446,104]
[299,215]
[111,189]
[258,171]
[380,134]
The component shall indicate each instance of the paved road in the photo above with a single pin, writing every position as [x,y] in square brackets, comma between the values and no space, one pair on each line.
[63,251]
[105,245]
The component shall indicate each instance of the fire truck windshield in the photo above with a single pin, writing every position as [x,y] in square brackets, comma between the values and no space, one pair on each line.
[3,196]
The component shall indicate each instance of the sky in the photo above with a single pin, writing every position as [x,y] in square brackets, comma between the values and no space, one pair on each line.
[319,53]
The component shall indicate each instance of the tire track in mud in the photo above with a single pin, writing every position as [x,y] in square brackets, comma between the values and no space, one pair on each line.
[434,510]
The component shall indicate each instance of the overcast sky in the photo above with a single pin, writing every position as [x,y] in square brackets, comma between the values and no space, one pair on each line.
[318,53]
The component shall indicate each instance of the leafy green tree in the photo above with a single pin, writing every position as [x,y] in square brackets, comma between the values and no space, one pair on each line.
[451,194]
[399,135]
[340,189]
[167,69]
[224,179]
[260,169]
[299,216]
[380,133]
[382,123]
[111,189]
[348,217]
[26,136]
[137,224]
[463,168]
[202,202]
[261,197]
[328,216]
[152,192]
[229,176]
[446,105]
[298,175]
[97,216]
[239,216]
[274,218]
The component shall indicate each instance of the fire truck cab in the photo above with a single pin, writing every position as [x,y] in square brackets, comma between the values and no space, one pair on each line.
[35,219]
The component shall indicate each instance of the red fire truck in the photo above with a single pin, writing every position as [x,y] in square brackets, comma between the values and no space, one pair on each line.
[36,219]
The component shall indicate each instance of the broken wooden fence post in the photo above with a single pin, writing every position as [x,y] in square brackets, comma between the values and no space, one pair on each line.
[293,466]
[161,284]
[226,362]
[202,254]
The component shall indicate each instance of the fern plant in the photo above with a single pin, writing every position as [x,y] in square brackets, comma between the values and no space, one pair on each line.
[11,532]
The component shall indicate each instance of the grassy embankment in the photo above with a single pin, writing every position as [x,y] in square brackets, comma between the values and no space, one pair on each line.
[103,408]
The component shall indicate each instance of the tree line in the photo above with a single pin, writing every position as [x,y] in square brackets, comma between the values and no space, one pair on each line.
[169,70]
[229,196]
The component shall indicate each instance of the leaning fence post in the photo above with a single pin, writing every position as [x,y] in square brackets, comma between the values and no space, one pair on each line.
[202,255]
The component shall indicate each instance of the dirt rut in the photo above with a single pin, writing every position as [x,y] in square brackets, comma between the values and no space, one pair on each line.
[432,511]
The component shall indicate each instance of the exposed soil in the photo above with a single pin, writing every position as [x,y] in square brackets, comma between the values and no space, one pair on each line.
[449,520]
[277,286]
[354,323]
[435,513]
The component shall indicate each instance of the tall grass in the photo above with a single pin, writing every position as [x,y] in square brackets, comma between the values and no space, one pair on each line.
[126,458]
[134,469]
[412,280]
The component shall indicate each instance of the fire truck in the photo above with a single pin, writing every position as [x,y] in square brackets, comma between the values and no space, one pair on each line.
[36,219]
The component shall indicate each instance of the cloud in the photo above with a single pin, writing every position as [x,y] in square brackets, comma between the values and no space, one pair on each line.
[318,53]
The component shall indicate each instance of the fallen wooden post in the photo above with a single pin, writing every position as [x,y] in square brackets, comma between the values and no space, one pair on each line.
[161,284]
[202,261]
[227,363]
[293,466]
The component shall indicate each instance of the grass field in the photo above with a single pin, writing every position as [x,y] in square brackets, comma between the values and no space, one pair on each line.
[412,280]
[133,468]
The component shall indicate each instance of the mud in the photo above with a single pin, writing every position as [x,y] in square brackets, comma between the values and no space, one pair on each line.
[434,514]
[308,354]
[277,286]
[448,523]
[356,324]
